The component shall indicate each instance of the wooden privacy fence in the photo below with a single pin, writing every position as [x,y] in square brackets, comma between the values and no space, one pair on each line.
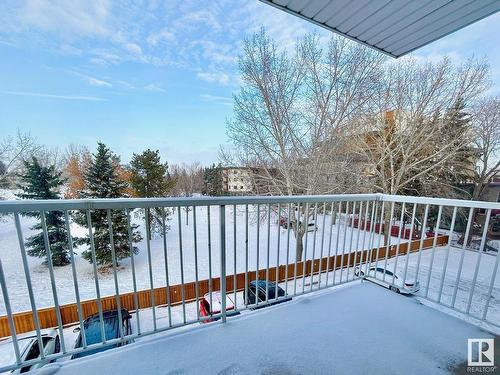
[69,313]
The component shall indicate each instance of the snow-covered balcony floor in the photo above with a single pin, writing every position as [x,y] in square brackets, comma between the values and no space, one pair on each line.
[360,328]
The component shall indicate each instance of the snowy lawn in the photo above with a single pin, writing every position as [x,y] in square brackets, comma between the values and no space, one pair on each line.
[358,329]
[16,282]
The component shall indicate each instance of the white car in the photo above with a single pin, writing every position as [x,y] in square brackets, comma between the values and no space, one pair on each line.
[29,349]
[376,275]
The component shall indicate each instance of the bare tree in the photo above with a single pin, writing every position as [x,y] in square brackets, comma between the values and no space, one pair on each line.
[187,179]
[417,135]
[486,123]
[409,137]
[290,111]
[13,151]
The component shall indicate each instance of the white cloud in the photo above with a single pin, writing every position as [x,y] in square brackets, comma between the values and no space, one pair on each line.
[163,35]
[226,100]
[98,82]
[53,96]
[154,87]
[214,77]
[67,18]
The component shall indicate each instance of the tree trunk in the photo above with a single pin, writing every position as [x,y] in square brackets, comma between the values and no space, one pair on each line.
[299,247]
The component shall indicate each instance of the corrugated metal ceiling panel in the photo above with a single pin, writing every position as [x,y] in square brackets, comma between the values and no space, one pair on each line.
[394,27]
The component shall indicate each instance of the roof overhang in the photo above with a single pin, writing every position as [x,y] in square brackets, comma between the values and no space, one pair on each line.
[394,27]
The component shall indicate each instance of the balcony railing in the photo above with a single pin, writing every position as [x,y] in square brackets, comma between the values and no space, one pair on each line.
[229,242]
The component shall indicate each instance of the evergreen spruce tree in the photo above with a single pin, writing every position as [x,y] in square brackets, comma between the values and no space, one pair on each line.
[458,122]
[102,181]
[41,182]
[212,178]
[150,179]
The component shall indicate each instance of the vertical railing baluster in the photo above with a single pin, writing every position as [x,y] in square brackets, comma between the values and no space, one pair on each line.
[289,208]
[306,226]
[52,280]
[434,243]
[132,264]
[222,230]
[363,250]
[398,246]
[422,238]
[322,244]
[246,254]
[408,249]
[388,239]
[268,249]
[332,220]
[75,280]
[27,275]
[96,278]
[351,239]
[196,282]
[297,239]
[277,272]
[344,240]
[337,244]
[150,265]
[371,240]
[315,215]
[462,255]
[380,236]
[181,261]
[445,266]
[10,319]
[210,285]
[257,255]
[478,263]
[357,237]
[235,285]
[115,276]
[165,257]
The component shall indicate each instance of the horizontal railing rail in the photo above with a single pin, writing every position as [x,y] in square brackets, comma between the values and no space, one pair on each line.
[205,245]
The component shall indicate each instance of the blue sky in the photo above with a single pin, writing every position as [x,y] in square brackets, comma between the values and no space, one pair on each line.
[155,74]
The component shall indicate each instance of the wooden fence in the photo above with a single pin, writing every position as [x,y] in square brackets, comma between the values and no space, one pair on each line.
[69,313]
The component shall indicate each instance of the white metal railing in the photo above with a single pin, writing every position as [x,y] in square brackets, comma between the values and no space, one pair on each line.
[459,283]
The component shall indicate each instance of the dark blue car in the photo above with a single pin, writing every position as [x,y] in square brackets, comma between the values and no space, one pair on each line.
[112,327]
[260,291]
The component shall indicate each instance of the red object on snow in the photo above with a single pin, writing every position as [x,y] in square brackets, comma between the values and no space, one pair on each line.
[207,311]
[405,233]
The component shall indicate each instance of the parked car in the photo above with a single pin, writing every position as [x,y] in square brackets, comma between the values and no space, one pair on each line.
[29,349]
[112,327]
[272,290]
[376,275]
[207,310]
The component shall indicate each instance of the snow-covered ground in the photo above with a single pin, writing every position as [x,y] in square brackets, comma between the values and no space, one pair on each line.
[144,318]
[361,329]
[12,264]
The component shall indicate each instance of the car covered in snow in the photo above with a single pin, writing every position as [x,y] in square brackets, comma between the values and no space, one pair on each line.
[29,349]
[211,304]
[112,328]
[275,294]
[376,275]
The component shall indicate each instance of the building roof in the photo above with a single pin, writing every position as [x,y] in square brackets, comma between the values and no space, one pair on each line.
[394,27]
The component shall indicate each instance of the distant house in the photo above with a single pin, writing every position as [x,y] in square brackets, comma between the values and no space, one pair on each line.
[237,180]
[248,180]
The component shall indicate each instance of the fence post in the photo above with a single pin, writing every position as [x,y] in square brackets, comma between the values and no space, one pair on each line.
[222,225]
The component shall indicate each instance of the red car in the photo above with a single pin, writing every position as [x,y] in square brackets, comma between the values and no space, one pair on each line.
[207,310]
